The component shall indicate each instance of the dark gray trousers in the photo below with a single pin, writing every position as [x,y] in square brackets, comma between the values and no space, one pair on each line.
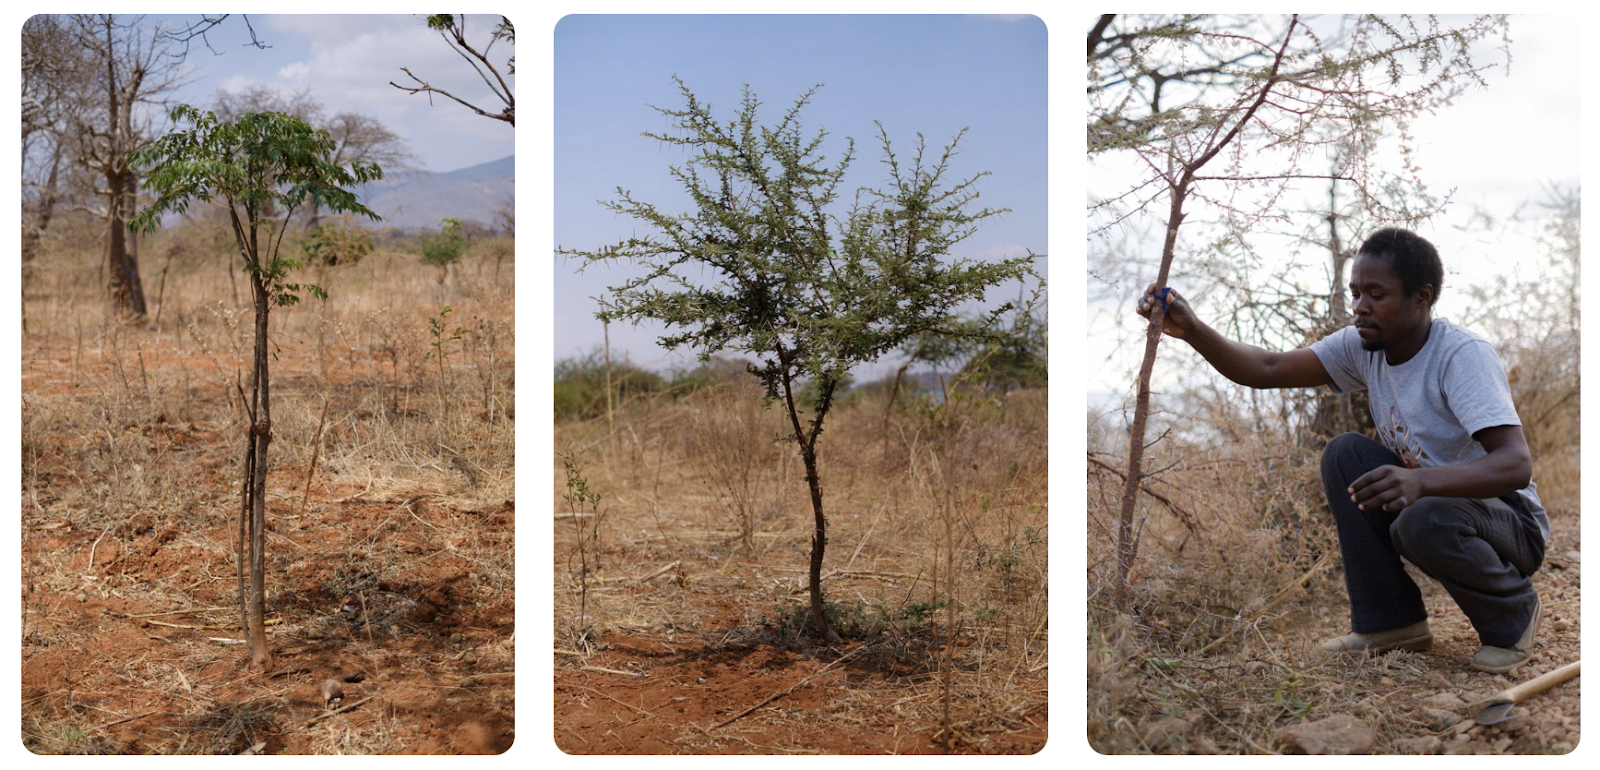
[1482,551]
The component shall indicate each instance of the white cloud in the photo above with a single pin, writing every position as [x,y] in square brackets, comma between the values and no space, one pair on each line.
[350,61]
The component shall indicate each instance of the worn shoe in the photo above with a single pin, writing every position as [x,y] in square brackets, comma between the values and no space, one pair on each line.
[1415,637]
[1499,660]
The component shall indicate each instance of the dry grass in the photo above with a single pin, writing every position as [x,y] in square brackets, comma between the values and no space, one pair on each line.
[1238,574]
[703,481]
[132,435]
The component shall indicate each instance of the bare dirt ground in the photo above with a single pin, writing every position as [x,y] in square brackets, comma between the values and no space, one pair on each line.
[687,643]
[391,571]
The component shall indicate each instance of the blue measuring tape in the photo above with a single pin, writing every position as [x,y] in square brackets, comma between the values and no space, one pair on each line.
[1164,292]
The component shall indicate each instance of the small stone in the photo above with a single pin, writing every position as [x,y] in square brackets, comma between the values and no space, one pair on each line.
[1572,556]
[1338,734]
[1385,682]
[456,638]
[82,597]
[1170,733]
[1438,680]
[1561,624]
[1465,726]
[1501,745]
[1425,745]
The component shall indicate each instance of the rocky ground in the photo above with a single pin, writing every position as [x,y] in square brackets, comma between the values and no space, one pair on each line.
[1283,695]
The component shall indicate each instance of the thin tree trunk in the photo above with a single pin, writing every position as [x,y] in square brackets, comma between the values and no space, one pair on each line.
[261,438]
[819,536]
[1127,547]
[1127,543]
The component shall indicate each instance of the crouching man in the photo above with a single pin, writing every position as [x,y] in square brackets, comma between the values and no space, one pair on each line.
[1447,484]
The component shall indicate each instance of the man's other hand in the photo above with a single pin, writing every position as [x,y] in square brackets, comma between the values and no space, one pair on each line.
[1389,487]
[1178,321]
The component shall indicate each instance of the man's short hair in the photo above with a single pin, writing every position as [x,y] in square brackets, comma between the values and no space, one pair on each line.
[1411,257]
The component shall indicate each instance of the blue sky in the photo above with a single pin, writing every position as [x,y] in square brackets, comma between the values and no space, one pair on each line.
[346,62]
[928,74]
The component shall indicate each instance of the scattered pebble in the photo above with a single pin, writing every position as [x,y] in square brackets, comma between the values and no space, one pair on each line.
[1423,744]
[1338,734]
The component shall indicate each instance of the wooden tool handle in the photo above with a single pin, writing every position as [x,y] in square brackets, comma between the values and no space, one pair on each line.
[1539,683]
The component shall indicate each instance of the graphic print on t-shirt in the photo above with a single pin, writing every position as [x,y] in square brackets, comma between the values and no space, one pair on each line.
[1398,439]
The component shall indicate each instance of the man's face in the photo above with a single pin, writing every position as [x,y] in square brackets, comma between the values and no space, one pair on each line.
[1384,313]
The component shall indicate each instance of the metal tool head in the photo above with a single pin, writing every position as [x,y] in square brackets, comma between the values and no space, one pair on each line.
[1495,713]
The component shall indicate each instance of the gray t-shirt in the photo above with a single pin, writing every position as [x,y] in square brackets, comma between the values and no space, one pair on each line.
[1427,408]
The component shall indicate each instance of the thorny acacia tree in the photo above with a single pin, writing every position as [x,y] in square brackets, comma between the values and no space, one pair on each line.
[1258,96]
[252,165]
[453,30]
[805,292]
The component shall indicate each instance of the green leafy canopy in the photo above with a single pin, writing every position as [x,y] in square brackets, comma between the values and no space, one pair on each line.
[261,166]
[809,292]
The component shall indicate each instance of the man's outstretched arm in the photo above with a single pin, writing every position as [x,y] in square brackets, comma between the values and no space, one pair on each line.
[1507,468]
[1244,364]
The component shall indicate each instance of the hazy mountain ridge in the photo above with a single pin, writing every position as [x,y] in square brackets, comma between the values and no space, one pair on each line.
[417,200]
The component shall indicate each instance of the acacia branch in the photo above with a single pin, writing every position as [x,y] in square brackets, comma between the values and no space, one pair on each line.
[508,114]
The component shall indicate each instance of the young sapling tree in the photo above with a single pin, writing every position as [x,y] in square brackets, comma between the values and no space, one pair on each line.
[261,167]
[768,266]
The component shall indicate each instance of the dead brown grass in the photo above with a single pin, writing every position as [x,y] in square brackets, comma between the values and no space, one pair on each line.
[689,482]
[132,434]
[1238,575]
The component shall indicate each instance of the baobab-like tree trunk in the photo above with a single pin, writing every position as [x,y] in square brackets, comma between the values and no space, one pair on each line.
[122,265]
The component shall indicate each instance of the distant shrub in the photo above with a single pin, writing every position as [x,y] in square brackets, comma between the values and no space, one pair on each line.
[445,247]
[719,371]
[580,385]
[1019,360]
[336,244]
